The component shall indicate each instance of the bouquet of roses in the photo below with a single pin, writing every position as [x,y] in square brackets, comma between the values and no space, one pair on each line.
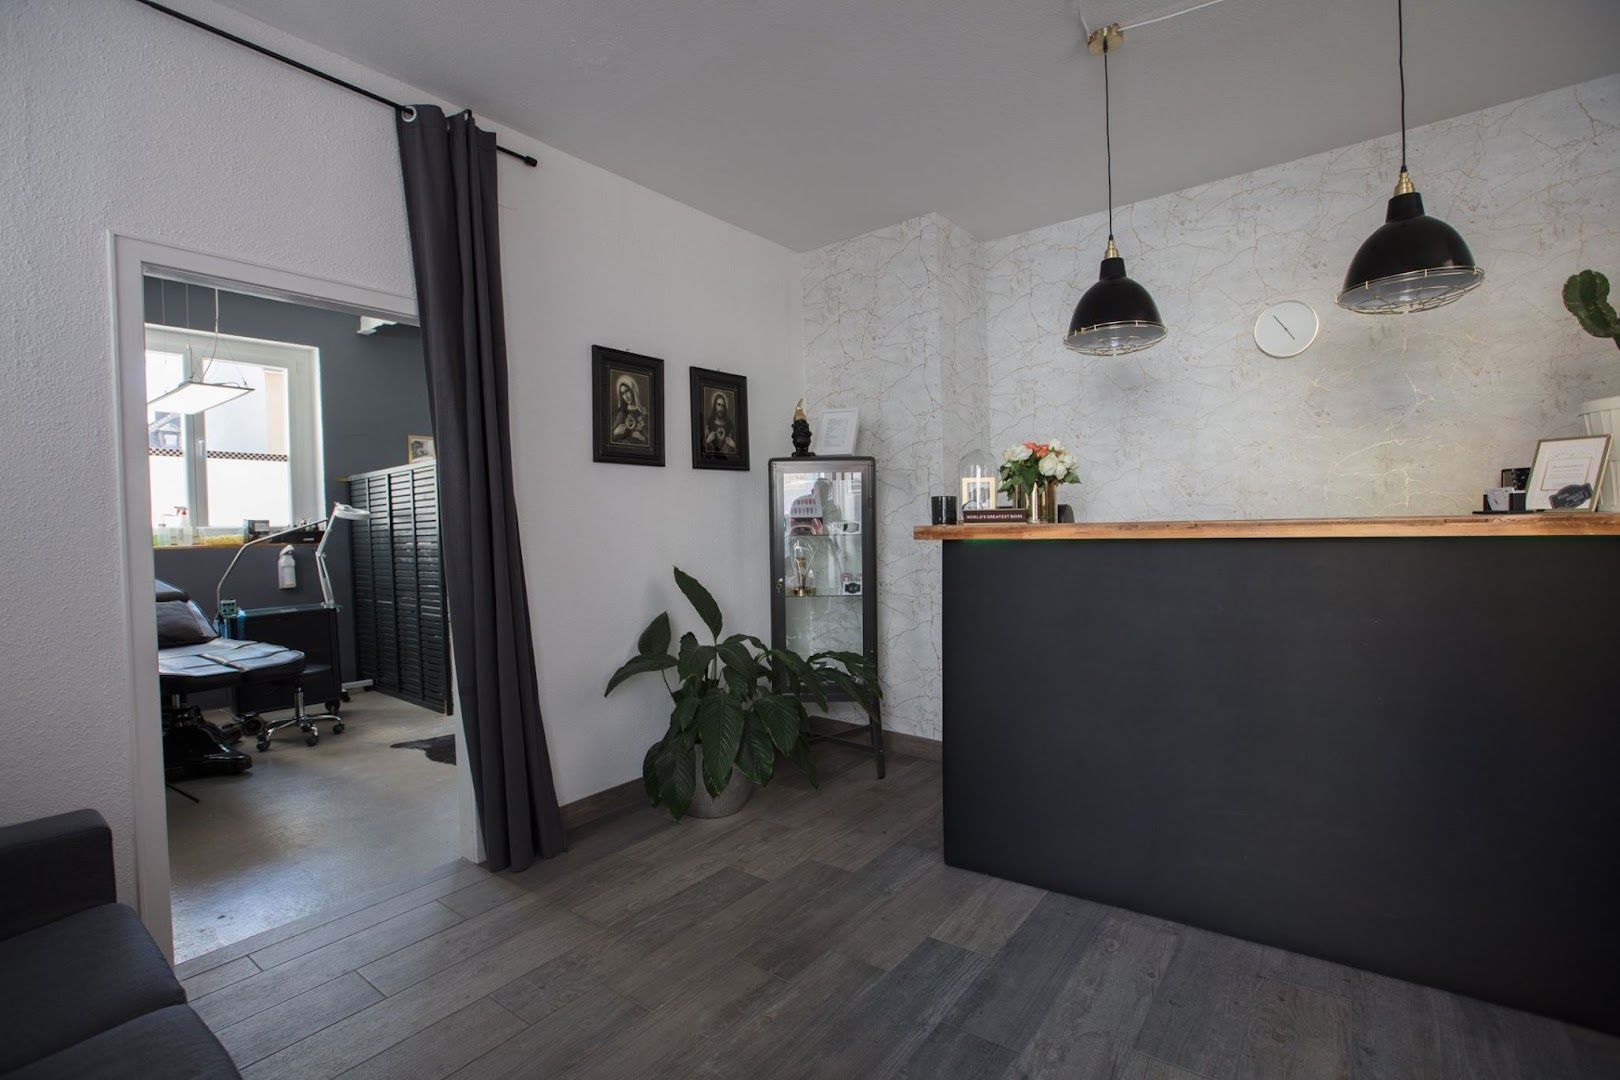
[1031,463]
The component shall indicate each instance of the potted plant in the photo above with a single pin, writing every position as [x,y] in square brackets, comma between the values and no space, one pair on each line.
[1586,295]
[737,704]
[1031,473]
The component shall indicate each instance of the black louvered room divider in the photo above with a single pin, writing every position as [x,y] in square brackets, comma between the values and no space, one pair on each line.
[401,626]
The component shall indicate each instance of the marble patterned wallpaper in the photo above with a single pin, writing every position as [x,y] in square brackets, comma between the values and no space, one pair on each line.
[894,325]
[949,347]
[1383,414]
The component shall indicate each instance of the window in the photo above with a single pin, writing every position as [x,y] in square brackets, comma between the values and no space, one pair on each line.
[257,455]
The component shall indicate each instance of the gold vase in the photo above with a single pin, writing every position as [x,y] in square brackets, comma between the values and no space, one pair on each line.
[1043,502]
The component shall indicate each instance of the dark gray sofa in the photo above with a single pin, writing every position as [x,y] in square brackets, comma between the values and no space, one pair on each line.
[86,991]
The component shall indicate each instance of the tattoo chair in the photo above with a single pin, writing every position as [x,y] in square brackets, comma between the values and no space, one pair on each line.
[192,658]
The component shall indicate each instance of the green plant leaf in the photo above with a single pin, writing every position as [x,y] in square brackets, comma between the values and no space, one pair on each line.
[739,661]
[1586,295]
[654,640]
[801,675]
[800,756]
[695,659]
[856,690]
[649,772]
[757,756]
[851,660]
[701,601]
[783,717]
[677,775]
[638,665]
[685,711]
[719,729]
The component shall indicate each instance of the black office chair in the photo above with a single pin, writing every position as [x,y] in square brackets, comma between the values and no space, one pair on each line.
[192,658]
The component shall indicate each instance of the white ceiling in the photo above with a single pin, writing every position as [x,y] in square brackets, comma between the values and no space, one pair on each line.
[809,121]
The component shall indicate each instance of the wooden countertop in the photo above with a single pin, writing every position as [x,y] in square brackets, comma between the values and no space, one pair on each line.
[1567,523]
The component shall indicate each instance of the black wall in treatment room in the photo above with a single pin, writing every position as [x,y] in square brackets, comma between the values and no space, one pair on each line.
[373,390]
[1397,754]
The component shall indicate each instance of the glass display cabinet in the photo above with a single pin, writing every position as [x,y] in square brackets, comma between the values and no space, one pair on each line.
[824,568]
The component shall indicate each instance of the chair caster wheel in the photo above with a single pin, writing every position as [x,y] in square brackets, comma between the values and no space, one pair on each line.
[311,739]
[337,729]
[252,725]
[264,745]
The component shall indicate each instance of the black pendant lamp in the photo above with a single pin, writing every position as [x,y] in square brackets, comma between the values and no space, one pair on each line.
[1413,262]
[1116,315]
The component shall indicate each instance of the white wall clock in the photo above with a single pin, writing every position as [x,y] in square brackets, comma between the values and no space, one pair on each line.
[1286,329]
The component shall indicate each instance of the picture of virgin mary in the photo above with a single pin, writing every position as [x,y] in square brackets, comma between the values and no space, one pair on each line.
[629,421]
[627,407]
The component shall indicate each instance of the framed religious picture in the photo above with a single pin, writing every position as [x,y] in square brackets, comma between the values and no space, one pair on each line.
[627,407]
[1567,474]
[719,420]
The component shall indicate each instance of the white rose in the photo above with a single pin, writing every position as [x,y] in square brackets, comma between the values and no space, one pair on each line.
[1019,453]
[1052,465]
[1055,446]
[1068,462]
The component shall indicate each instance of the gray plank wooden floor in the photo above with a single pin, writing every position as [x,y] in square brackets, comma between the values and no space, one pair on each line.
[818,934]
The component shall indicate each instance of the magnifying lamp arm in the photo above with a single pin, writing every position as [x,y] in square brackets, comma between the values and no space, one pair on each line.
[219,590]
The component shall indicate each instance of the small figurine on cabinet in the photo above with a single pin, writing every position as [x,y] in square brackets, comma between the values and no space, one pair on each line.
[801,431]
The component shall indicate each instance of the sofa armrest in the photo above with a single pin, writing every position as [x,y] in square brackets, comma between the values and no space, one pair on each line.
[53,867]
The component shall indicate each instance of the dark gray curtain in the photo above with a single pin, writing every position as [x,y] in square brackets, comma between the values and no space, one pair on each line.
[455,245]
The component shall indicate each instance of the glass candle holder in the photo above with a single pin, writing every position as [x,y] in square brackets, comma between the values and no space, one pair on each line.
[979,478]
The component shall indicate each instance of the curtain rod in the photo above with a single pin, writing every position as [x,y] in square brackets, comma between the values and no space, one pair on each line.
[319,74]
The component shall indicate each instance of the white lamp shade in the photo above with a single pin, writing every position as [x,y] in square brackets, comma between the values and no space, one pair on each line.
[349,513]
[195,397]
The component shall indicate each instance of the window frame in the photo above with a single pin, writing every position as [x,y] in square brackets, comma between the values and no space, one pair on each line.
[306,456]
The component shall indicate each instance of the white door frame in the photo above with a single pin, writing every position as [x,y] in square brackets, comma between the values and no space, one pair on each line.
[131,260]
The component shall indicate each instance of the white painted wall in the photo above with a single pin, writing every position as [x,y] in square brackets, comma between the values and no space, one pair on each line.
[591,258]
[120,120]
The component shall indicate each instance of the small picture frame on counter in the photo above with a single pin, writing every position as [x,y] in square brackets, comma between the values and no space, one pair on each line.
[1568,473]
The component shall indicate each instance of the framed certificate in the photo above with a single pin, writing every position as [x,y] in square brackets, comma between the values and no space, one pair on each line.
[1568,473]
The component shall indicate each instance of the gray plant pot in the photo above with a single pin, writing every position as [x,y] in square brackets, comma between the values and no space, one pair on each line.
[728,802]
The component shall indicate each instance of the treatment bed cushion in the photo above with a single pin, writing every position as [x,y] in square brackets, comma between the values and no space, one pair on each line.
[76,977]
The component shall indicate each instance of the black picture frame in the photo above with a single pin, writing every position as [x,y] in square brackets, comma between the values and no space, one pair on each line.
[705,387]
[633,434]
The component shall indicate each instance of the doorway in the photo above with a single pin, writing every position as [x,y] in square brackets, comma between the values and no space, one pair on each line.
[327,810]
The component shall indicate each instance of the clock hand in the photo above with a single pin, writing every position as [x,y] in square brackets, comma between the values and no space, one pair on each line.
[1284,325]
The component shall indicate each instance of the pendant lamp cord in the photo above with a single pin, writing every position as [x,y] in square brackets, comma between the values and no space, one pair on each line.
[1108,137]
[1400,54]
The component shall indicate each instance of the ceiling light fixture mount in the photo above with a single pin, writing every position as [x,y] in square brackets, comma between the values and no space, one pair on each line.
[1116,315]
[1412,262]
[1105,39]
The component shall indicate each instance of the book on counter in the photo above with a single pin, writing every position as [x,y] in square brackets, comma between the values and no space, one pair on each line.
[1000,515]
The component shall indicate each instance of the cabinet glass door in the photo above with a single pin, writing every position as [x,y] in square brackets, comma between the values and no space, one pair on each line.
[823,562]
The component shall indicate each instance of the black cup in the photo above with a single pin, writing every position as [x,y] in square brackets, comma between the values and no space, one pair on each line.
[944,507]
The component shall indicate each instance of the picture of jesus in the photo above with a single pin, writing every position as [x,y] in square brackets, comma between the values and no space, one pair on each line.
[719,420]
[720,428]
